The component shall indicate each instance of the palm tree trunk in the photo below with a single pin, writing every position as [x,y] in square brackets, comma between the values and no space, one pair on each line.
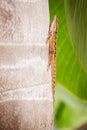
[26,101]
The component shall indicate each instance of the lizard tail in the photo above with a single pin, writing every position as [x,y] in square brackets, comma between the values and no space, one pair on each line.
[54,78]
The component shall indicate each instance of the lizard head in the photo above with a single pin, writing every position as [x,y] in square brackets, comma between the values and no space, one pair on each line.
[54,25]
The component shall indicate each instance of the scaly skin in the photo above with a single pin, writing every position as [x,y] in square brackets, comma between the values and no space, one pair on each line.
[52,50]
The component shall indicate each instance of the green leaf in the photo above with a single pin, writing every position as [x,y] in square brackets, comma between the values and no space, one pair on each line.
[71,96]
[76,14]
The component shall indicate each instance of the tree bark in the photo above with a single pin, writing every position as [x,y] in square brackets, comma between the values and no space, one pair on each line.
[26,101]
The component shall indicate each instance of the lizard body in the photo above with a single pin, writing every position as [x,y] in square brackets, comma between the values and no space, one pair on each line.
[52,50]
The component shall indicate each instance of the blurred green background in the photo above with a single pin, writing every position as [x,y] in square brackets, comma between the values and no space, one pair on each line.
[71,81]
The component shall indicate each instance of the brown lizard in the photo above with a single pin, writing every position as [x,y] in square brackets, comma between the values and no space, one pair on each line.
[52,50]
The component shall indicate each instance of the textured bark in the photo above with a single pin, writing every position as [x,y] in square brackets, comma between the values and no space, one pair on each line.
[26,101]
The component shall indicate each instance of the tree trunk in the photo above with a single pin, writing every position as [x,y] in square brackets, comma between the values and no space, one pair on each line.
[26,101]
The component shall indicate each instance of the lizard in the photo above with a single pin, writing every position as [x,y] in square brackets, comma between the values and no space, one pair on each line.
[51,39]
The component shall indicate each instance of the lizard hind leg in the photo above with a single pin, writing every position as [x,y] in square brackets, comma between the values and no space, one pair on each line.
[49,62]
